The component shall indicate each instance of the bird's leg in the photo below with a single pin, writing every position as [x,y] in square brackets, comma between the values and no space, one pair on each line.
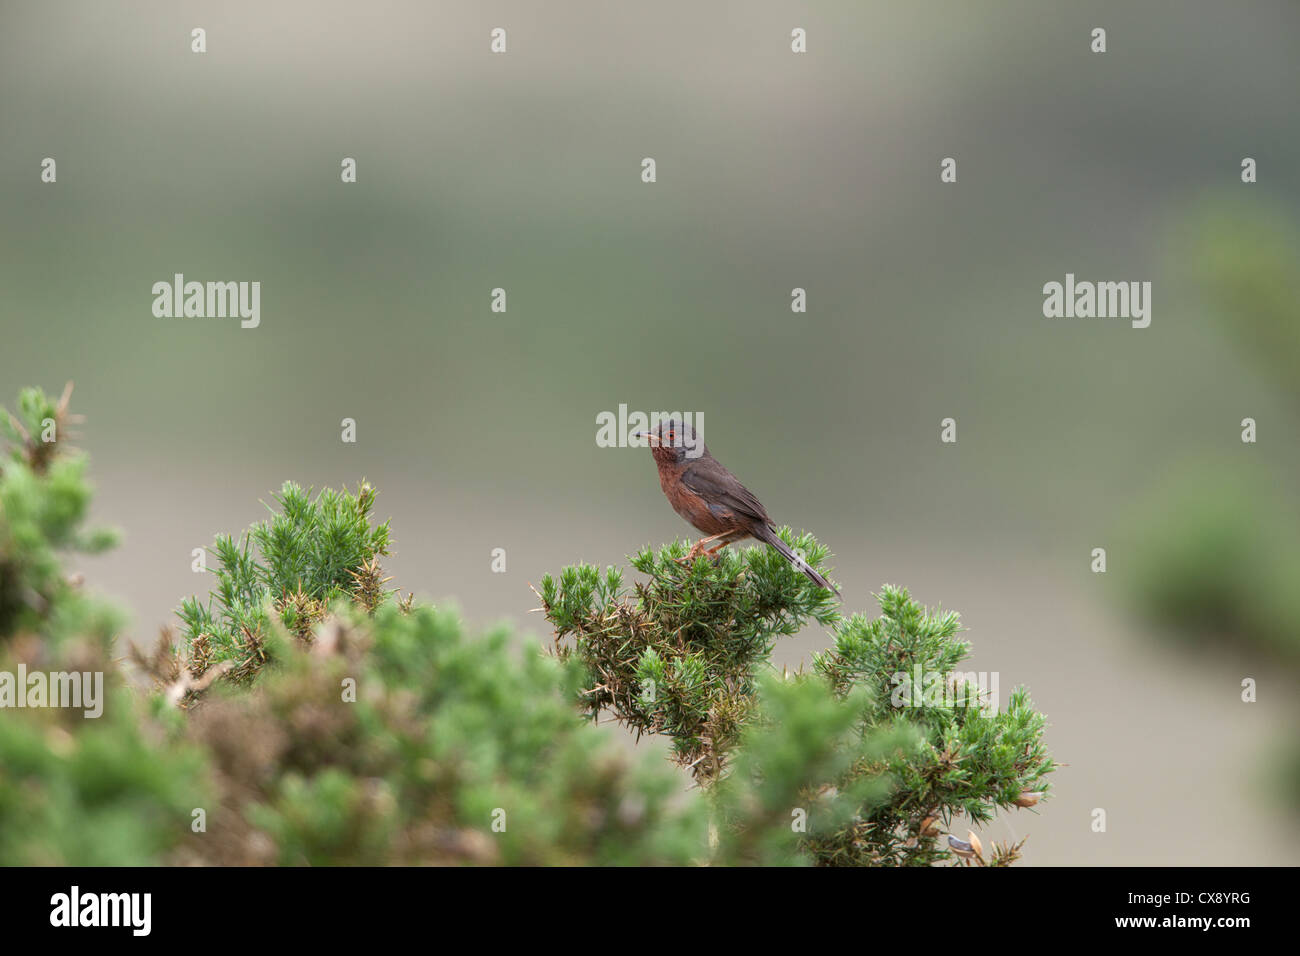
[698,548]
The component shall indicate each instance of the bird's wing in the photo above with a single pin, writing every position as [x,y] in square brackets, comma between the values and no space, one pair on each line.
[719,487]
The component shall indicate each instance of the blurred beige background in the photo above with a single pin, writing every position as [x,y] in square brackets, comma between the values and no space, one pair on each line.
[774,171]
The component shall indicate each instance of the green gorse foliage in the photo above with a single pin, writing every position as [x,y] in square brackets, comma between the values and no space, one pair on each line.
[679,654]
[833,766]
[44,497]
[116,790]
[1215,551]
[956,752]
[376,732]
[309,555]
[453,752]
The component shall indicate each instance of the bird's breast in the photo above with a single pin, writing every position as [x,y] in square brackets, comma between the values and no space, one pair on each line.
[691,507]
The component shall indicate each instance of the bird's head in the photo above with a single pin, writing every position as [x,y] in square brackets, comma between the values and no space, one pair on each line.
[672,442]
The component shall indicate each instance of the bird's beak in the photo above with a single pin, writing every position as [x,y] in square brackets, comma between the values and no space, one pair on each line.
[648,436]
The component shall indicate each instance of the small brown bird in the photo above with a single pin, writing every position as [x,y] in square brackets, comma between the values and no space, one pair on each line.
[712,498]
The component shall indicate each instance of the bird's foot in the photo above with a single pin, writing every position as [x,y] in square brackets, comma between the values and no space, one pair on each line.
[698,548]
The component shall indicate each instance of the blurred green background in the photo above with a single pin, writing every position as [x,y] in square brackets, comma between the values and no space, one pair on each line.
[774,171]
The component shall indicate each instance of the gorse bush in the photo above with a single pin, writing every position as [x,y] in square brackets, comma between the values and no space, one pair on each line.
[306,716]
[682,658]
[44,497]
[112,790]
[288,569]
[363,730]
[825,767]
[394,740]
[1215,559]
[1215,552]
[957,752]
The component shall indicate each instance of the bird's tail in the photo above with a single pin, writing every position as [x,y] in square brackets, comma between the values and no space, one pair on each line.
[769,536]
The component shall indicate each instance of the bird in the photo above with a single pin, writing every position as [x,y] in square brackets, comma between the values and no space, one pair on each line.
[711,498]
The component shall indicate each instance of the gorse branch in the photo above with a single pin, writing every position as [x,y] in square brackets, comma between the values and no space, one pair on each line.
[44,499]
[289,569]
[867,778]
[679,653]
